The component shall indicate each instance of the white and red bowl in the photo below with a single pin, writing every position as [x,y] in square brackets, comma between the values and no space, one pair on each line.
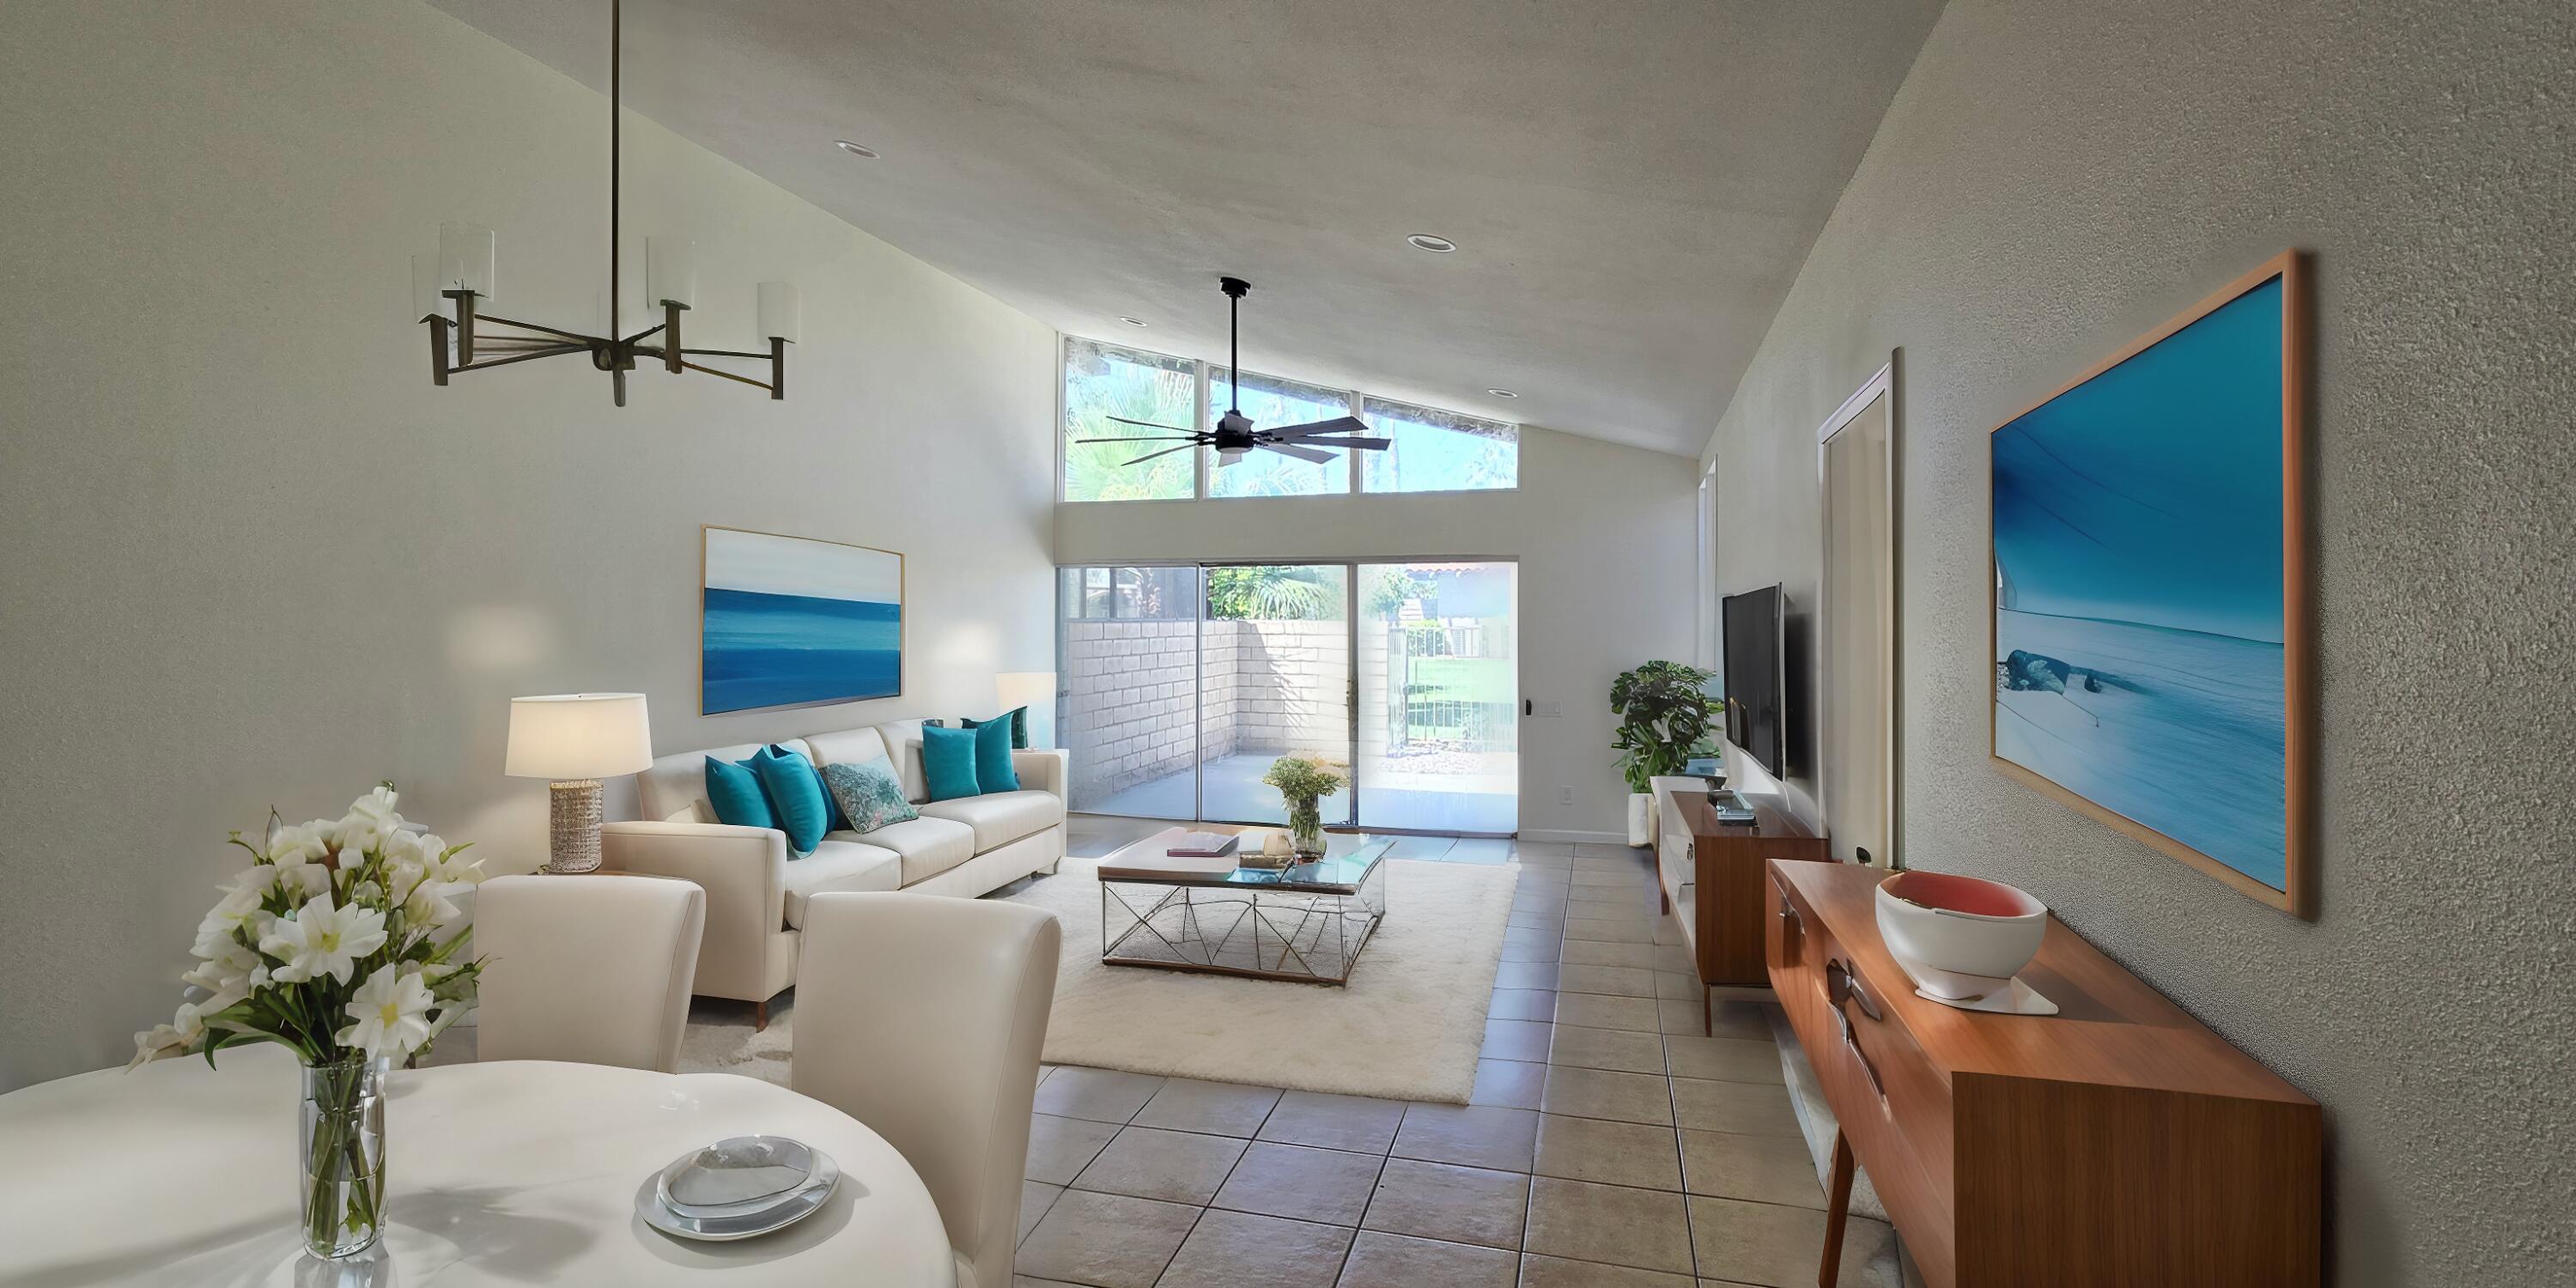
[1961,938]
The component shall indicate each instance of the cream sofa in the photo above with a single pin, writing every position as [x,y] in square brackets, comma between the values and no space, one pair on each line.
[756,891]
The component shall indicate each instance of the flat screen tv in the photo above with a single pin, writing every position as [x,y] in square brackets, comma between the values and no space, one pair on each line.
[1756,691]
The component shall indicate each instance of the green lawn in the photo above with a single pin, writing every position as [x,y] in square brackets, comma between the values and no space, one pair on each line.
[1462,679]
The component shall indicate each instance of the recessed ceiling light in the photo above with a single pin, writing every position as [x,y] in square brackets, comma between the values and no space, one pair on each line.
[855,149]
[1132,321]
[1502,393]
[1436,245]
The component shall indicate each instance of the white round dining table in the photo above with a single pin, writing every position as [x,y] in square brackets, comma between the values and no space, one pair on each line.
[515,1172]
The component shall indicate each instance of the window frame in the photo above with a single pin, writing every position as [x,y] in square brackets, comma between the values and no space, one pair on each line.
[1202,461]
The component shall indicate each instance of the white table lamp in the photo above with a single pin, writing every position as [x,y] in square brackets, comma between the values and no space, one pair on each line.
[1036,691]
[576,739]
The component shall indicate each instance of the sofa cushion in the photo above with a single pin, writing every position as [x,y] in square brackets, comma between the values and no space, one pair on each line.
[903,746]
[734,791]
[1001,817]
[929,846]
[1019,718]
[948,758]
[850,747]
[993,771]
[673,789]
[869,794]
[804,810]
[841,862]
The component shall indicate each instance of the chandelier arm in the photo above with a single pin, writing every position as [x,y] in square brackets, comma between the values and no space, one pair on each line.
[756,384]
[641,334]
[555,352]
[531,326]
[725,353]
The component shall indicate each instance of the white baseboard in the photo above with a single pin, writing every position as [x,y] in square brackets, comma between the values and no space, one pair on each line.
[1577,838]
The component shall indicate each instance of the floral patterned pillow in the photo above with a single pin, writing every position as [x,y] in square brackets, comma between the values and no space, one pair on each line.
[869,794]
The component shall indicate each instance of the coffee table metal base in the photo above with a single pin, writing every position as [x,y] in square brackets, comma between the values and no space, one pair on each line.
[1253,931]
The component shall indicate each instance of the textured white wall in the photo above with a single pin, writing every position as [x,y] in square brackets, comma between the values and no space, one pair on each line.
[1603,534]
[254,557]
[2052,181]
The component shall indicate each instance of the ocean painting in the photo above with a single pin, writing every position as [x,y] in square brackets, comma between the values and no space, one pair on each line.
[795,622]
[2139,638]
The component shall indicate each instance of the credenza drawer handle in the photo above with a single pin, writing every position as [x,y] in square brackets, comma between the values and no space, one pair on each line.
[1840,988]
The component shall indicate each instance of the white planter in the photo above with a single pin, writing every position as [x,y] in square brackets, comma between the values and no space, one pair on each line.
[1641,818]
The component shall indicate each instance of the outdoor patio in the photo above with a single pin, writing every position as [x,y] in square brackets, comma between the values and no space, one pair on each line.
[1409,802]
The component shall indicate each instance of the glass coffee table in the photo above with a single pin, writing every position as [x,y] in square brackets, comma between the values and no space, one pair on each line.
[1306,922]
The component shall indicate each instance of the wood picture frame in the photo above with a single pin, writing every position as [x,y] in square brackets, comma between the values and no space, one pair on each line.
[839,629]
[2027,673]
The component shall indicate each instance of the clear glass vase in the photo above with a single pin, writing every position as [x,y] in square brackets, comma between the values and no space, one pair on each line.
[1306,828]
[343,1118]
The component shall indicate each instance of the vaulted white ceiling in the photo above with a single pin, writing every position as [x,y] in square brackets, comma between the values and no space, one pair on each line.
[1632,184]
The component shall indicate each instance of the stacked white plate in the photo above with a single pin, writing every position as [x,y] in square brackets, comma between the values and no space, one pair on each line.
[738,1188]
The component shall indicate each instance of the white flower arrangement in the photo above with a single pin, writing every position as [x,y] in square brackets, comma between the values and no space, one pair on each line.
[339,941]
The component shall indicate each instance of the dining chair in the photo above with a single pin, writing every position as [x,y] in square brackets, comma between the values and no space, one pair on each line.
[922,1016]
[595,968]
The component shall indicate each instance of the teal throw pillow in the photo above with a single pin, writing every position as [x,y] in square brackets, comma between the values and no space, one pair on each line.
[994,771]
[1019,718]
[869,794]
[948,761]
[734,790]
[796,792]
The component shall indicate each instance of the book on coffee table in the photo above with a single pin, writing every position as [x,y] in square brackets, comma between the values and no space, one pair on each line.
[1202,845]
[1150,866]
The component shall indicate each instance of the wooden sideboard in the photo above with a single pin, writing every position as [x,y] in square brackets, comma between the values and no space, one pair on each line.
[1712,877]
[2118,1142]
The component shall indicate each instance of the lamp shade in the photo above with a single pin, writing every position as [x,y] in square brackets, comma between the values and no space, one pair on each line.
[1036,691]
[569,736]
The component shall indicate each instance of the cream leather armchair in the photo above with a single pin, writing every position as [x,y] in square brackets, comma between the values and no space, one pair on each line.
[595,969]
[924,1018]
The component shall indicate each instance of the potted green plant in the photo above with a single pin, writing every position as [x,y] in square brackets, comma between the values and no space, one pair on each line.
[1665,718]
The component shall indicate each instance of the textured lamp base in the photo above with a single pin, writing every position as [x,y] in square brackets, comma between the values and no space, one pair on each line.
[574,841]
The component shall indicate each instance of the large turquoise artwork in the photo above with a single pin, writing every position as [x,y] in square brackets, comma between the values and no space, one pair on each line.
[791,621]
[2149,648]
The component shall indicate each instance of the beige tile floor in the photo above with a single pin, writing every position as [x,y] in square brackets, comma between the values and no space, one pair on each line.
[1608,1142]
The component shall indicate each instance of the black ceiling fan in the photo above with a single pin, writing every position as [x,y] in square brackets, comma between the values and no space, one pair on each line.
[1234,435]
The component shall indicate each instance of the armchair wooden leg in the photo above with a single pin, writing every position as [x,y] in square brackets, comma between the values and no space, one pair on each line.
[760,1017]
[1837,1207]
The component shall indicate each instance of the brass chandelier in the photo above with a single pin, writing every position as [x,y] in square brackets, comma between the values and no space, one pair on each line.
[450,287]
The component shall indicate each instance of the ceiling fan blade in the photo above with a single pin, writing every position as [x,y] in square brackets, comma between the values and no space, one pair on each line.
[1136,440]
[1149,424]
[1365,444]
[1165,452]
[1301,453]
[1337,425]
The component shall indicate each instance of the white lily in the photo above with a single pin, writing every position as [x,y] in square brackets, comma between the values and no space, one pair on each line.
[302,880]
[298,843]
[174,1038]
[391,1011]
[238,907]
[370,822]
[323,940]
[227,977]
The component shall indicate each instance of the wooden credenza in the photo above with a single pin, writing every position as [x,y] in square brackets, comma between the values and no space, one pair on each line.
[2116,1142]
[1712,877]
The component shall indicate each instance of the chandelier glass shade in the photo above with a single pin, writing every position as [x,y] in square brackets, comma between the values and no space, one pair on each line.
[452,293]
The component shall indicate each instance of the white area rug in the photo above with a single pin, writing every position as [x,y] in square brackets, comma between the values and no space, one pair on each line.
[1407,1027]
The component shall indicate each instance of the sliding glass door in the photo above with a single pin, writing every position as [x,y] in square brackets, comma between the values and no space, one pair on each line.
[1274,680]
[1439,697]
[1127,655]
[1183,683]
